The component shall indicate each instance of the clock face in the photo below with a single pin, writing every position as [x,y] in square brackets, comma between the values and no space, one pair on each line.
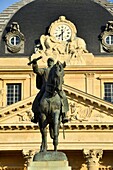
[63,32]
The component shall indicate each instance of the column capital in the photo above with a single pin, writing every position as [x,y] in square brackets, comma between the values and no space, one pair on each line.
[90,75]
[28,155]
[93,155]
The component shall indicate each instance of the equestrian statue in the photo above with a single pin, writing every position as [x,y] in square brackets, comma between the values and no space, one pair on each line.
[50,105]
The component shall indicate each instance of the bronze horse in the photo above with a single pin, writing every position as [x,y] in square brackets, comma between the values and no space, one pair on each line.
[50,109]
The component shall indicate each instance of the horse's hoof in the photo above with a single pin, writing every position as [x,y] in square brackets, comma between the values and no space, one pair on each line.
[42,151]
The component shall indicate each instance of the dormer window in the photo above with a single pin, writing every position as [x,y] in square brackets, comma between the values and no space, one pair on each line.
[106,38]
[14,39]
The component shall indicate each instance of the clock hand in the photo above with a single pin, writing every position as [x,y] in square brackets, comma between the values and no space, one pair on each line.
[61,35]
[62,32]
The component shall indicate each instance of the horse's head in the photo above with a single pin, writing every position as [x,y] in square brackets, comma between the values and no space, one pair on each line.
[59,68]
[55,78]
[58,74]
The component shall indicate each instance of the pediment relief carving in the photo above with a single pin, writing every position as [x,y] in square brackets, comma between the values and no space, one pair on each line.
[26,117]
[20,118]
[81,112]
[62,44]
[78,112]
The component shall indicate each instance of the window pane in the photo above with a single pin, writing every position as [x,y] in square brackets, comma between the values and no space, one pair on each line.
[108,92]
[15,40]
[109,39]
[13,93]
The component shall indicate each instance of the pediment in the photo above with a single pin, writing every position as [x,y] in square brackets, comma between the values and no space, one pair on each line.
[83,109]
[87,108]
[18,113]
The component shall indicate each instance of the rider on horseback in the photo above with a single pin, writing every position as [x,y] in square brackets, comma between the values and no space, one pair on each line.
[41,80]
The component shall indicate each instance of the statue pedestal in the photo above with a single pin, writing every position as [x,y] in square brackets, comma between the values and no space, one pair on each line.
[49,161]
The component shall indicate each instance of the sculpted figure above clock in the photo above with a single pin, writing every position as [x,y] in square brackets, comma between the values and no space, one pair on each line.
[61,43]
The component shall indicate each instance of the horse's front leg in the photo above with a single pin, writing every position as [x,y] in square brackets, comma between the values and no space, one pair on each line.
[43,147]
[56,129]
[43,130]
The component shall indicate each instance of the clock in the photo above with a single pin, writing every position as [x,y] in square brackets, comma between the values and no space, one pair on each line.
[63,30]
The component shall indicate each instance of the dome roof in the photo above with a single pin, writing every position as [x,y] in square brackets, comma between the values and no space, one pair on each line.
[35,18]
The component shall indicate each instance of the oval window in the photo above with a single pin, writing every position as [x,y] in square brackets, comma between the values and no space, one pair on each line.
[15,40]
[109,39]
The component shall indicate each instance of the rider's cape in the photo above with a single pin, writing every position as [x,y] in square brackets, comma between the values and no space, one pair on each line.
[39,81]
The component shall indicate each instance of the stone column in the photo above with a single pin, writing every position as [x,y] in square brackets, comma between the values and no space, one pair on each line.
[92,158]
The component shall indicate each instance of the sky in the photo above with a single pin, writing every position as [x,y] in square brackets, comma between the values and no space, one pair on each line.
[6,3]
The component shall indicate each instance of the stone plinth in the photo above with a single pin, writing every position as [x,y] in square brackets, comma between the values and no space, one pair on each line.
[49,161]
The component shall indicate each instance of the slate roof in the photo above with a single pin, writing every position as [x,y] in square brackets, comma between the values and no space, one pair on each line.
[35,17]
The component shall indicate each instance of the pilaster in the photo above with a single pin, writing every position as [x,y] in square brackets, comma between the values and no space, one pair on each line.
[90,83]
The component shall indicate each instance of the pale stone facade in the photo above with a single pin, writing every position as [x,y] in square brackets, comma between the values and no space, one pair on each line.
[88,141]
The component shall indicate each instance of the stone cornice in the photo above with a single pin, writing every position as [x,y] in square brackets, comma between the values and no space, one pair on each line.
[89,126]
[15,68]
[105,127]
[18,127]
[68,69]
[93,68]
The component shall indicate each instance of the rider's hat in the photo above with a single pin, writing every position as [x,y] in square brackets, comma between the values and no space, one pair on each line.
[50,59]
